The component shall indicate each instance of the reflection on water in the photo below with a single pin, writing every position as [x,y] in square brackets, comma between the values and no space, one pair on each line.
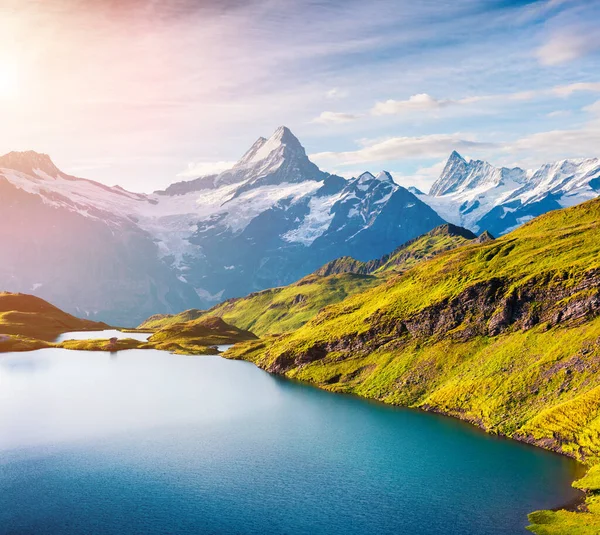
[101,335]
[152,443]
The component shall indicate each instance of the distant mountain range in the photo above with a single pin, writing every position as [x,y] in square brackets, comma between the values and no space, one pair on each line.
[479,196]
[108,254]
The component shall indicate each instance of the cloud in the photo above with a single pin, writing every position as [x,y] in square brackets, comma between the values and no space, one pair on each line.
[555,144]
[425,102]
[558,113]
[568,45]
[568,90]
[336,93]
[593,108]
[395,148]
[423,177]
[332,117]
[419,102]
[196,169]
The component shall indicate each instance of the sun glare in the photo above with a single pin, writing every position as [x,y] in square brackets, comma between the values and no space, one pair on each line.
[9,83]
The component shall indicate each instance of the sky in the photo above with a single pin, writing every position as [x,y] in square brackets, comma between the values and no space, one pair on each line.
[142,93]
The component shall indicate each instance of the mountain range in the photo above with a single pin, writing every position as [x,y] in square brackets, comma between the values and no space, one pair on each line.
[109,254]
[479,196]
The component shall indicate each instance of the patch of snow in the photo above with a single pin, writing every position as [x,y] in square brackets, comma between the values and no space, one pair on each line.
[316,222]
[207,296]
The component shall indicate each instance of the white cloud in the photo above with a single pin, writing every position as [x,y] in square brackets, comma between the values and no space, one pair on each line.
[556,144]
[395,148]
[424,102]
[336,93]
[419,102]
[568,45]
[593,108]
[332,117]
[568,90]
[558,113]
[196,169]
[423,177]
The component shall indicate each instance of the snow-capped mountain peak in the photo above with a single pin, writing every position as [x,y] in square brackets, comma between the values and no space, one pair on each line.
[250,154]
[384,176]
[280,159]
[460,176]
[364,177]
[479,196]
[28,162]
[453,174]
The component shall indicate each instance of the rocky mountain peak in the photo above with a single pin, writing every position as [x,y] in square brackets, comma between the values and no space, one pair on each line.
[281,145]
[384,176]
[459,176]
[279,159]
[366,176]
[455,171]
[28,162]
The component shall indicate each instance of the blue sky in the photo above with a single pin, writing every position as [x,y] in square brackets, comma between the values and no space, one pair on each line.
[143,92]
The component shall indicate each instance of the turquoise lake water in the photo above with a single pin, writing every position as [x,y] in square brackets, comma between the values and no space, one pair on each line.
[106,334]
[144,442]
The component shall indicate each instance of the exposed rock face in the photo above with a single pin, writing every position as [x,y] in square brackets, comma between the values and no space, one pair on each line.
[487,308]
[484,237]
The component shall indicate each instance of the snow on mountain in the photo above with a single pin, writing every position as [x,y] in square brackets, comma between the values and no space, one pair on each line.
[280,159]
[460,176]
[269,220]
[480,197]
[74,243]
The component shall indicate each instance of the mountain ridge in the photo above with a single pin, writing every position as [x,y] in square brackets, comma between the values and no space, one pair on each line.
[479,196]
[270,220]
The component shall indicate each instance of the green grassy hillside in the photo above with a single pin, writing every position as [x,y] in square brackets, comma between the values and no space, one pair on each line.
[194,336]
[405,256]
[158,321]
[281,310]
[504,334]
[276,310]
[27,316]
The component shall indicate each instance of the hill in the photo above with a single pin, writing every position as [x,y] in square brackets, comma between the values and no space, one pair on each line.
[287,308]
[504,334]
[29,316]
[195,335]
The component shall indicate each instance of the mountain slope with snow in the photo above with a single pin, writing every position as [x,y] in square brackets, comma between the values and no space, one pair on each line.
[110,254]
[480,197]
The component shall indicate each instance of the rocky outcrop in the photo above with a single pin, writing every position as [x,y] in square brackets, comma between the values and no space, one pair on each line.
[487,308]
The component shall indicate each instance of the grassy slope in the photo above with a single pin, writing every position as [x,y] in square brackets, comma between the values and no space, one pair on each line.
[202,332]
[27,316]
[285,309]
[28,323]
[278,309]
[158,321]
[438,240]
[504,334]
